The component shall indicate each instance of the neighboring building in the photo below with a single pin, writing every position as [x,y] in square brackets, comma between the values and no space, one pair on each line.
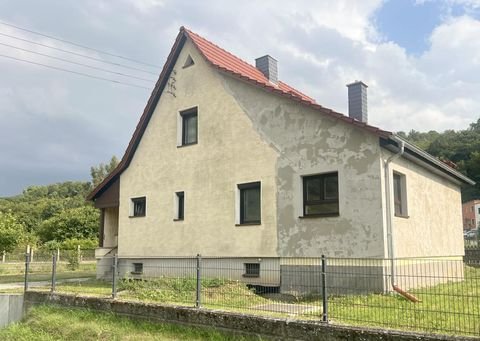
[471,214]
[228,161]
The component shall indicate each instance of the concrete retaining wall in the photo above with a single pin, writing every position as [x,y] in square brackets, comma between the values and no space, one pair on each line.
[11,308]
[275,328]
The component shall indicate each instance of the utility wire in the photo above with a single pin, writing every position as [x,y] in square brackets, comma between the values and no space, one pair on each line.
[76,63]
[78,54]
[74,72]
[79,45]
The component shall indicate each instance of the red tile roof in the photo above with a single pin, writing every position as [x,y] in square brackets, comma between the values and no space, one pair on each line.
[228,62]
[225,62]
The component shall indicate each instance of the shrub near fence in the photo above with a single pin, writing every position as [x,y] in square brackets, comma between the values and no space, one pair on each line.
[334,290]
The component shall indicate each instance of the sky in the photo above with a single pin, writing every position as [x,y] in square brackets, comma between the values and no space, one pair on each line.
[420,59]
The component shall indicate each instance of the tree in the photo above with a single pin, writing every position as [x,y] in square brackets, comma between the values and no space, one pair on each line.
[78,223]
[11,232]
[100,172]
[461,147]
[38,203]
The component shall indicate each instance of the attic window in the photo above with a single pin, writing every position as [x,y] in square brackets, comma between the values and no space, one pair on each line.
[188,62]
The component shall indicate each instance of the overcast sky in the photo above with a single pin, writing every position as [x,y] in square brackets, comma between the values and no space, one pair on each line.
[421,60]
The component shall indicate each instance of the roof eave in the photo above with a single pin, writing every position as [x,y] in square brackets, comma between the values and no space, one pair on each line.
[425,158]
[144,119]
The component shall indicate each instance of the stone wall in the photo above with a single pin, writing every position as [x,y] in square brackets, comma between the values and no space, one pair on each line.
[270,327]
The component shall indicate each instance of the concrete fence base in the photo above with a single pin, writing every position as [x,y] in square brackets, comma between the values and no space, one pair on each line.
[275,328]
[11,308]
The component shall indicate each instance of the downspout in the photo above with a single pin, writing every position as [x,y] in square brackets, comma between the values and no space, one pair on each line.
[390,239]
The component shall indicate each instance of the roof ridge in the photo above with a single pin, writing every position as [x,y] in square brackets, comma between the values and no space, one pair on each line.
[227,52]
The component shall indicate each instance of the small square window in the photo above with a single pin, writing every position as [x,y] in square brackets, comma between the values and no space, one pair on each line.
[252,270]
[250,203]
[400,195]
[139,206]
[180,205]
[137,268]
[320,195]
[189,126]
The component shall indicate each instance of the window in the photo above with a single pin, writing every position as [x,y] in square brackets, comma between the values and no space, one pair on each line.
[479,210]
[320,195]
[252,270]
[250,210]
[400,195]
[189,126]
[137,268]
[139,206]
[188,62]
[179,205]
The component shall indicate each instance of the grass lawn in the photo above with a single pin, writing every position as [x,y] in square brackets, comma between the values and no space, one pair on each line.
[450,308]
[45,323]
[15,272]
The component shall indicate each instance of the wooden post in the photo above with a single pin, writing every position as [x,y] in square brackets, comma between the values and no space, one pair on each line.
[4,254]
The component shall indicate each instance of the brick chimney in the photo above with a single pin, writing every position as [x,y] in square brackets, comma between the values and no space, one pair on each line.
[268,66]
[357,101]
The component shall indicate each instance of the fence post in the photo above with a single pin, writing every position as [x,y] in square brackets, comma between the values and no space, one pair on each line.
[54,271]
[114,276]
[324,289]
[27,267]
[58,255]
[198,295]
[4,255]
[79,256]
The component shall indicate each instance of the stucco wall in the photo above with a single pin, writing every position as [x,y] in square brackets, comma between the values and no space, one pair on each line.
[310,143]
[434,223]
[229,152]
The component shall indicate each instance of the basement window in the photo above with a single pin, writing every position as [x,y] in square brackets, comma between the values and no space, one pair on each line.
[320,195]
[252,270]
[138,207]
[137,269]
[400,195]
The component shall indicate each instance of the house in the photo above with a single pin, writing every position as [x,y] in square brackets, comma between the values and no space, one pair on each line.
[471,214]
[229,161]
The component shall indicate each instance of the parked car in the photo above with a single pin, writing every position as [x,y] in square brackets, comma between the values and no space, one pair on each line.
[472,234]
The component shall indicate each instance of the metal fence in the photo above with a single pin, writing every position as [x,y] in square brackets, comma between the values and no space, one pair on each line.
[34,268]
[434,295]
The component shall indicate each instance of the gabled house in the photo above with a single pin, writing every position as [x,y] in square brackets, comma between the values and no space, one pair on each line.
[229,161]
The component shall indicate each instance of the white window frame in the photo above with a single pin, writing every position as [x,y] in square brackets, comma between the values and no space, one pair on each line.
[180,125]
[176,207]
[132,206]
[403,194]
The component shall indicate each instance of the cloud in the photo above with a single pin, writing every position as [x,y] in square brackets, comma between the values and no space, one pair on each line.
[54,126]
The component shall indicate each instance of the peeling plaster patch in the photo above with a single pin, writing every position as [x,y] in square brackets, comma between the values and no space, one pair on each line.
[310,143]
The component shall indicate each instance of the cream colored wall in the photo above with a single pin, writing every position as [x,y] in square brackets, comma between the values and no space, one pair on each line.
[313,143]
[110,227]
[434,223]
[229,152]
